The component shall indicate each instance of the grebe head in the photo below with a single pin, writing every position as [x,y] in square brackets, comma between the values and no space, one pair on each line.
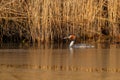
[71,37]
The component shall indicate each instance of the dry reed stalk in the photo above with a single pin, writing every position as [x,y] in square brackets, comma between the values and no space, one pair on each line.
[50,20]
[112,6]
[34,11]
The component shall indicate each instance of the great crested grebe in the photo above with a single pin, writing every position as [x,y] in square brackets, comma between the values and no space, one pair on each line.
[72,37]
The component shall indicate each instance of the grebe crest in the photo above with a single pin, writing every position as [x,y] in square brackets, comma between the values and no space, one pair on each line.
[72,37]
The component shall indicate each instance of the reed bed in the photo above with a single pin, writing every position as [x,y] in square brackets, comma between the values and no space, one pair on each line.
[46,21]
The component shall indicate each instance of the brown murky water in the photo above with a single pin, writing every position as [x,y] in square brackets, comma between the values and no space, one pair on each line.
[53,63]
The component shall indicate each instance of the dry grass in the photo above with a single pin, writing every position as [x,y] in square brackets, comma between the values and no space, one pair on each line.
[51,20]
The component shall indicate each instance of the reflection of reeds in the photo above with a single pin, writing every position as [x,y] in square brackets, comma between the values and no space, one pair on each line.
[50,20]
[60,68]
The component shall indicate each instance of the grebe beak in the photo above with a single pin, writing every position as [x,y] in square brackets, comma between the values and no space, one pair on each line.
[65,37]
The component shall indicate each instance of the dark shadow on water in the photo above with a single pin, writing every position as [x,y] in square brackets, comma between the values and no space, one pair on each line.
[52,46]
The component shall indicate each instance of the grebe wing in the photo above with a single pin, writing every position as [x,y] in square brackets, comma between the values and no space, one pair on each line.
[83,46]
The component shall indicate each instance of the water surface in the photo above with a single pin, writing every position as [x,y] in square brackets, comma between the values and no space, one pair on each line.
[55,62]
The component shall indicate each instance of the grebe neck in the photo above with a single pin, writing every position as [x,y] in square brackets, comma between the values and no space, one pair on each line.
[71,43]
